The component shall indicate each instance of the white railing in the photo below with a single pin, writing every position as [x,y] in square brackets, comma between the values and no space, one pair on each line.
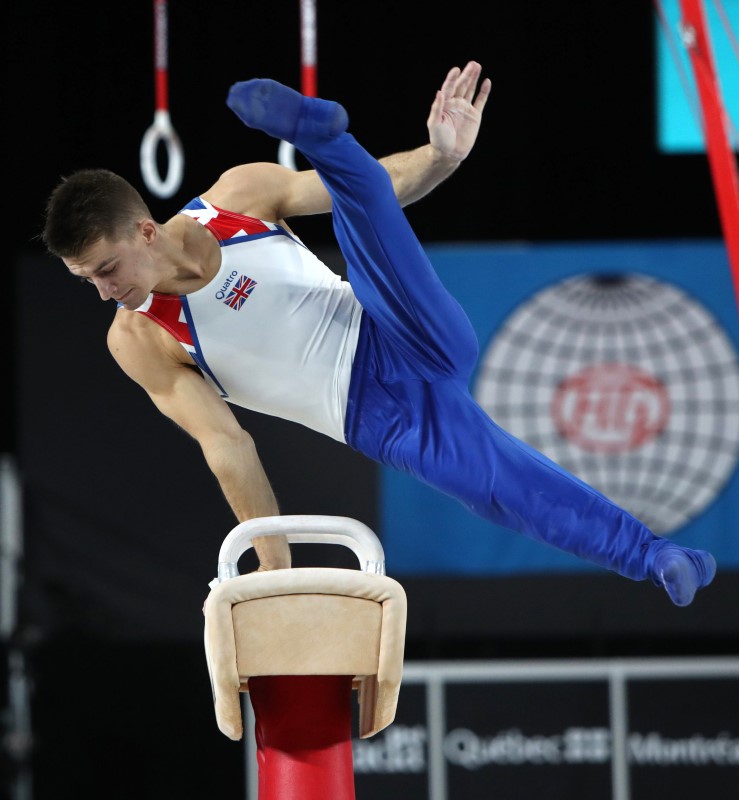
[616,672]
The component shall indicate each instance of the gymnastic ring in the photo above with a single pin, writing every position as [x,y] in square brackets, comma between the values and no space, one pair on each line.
[161,131]
[286,155]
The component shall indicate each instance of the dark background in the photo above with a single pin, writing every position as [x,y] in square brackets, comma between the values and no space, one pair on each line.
[122,519]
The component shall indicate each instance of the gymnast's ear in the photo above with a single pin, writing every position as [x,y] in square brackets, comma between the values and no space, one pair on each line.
[148,229]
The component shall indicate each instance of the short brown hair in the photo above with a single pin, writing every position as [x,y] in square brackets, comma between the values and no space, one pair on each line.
[89,205]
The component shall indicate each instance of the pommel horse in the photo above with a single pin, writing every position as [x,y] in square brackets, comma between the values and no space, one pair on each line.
[299,641]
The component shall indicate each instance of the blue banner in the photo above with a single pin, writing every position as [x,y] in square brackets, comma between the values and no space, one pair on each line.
[618,361]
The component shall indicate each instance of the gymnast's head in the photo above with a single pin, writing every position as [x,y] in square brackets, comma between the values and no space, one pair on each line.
[89,206]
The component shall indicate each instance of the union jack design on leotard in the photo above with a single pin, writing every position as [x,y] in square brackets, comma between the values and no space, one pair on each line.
[167,311]
[226,226]
[240,292]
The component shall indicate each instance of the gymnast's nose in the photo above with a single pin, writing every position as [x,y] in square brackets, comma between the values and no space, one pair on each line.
[106,288]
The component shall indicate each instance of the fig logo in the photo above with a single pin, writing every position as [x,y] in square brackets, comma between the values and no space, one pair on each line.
[611,408]
[626,381]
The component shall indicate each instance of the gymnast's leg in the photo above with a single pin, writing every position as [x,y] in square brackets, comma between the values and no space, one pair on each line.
[446,439]
[452,445]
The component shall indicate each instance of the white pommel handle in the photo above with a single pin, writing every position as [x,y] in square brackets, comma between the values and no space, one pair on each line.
[302,528]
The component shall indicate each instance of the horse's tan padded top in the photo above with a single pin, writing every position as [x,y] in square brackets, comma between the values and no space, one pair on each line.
[307,621]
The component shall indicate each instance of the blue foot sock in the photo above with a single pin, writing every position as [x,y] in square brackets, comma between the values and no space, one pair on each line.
[282,112]
[682,571]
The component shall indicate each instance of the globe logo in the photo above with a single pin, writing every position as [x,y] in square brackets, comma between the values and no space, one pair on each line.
[626,381]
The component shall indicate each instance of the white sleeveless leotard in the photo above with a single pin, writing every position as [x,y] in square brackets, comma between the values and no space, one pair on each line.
[275,330]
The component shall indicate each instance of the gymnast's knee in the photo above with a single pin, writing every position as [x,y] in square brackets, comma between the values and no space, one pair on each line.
[464,348]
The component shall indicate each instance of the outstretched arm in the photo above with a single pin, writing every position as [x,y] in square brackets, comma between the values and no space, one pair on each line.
[453,124]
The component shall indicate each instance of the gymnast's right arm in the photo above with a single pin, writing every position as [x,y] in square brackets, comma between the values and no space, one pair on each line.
[151,357]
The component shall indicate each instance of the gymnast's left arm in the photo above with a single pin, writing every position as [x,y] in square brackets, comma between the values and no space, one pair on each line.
[453,124]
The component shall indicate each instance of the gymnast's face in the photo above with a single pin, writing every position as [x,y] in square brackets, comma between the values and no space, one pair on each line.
[120,270]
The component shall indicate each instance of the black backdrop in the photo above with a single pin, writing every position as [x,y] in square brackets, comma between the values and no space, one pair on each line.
[123,521]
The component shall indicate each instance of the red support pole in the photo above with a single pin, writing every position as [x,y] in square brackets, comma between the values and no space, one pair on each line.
[721,158]
[303,736]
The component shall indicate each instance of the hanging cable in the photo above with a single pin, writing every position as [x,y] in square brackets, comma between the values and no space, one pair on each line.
[726,23]
[676,54]
[308,71]
[161,130]
[722,162]
[728,30]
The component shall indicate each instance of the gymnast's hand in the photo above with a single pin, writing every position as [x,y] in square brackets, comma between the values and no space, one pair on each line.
[456,113]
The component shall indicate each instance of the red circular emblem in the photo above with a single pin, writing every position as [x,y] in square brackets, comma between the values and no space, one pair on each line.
[611,408]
